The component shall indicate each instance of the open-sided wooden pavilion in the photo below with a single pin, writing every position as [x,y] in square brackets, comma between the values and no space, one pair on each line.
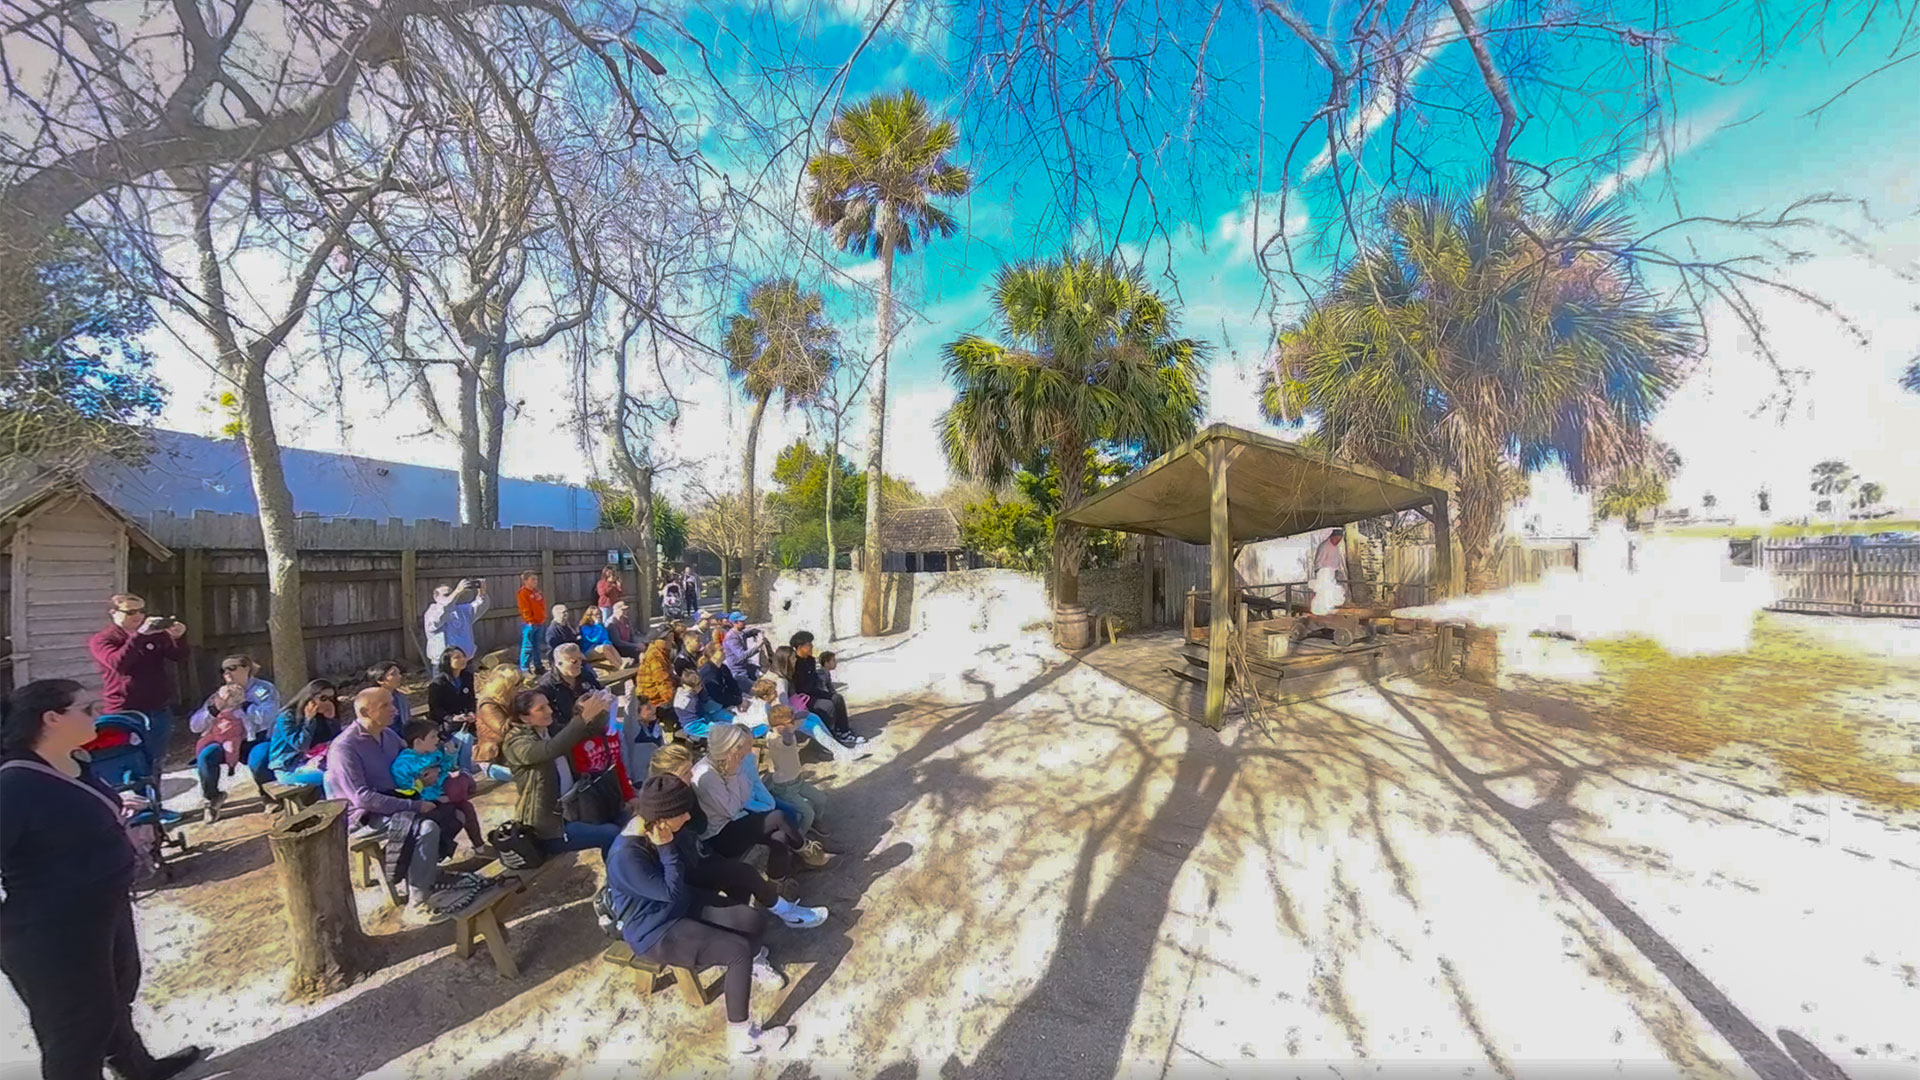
[1226,487]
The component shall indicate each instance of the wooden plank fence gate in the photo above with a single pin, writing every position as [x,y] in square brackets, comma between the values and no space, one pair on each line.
[1859,577]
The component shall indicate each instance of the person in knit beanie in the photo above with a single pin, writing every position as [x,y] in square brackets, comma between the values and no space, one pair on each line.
[667,919]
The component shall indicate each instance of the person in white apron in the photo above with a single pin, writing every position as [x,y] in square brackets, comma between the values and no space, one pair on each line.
[1329,574]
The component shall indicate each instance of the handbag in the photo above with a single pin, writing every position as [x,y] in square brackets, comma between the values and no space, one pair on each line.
[516,846]
[594,799]
[800,703]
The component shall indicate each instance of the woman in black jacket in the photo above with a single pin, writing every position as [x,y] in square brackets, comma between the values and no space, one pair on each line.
[68,864]
[450,698]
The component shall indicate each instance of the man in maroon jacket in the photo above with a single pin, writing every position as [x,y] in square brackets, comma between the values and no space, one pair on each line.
[134,654]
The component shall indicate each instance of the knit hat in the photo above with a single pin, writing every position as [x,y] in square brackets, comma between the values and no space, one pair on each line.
[722,738]
[663,798]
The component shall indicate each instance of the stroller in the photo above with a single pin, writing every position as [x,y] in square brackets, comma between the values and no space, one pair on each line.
[670,605]
[124,759]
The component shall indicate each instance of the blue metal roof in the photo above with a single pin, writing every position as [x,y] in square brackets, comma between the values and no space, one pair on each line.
[192,472]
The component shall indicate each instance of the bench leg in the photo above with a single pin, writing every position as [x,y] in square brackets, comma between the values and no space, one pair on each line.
[462,938]
[690,988]
[362,870]
[489,928]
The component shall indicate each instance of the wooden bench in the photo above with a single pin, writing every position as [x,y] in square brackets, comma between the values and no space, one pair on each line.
[483,917]
[651,973]
[287,800]
[369,857]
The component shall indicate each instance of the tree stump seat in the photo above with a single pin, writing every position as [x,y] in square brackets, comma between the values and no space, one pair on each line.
[483,918]
[652,974]
[287,800]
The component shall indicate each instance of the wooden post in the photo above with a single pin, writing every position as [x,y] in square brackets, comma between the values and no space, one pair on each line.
[310,856]
[409,607]
[549,582]
[1350,541]
[1148,545]
[1220,535]
[1442,585]
[193,611]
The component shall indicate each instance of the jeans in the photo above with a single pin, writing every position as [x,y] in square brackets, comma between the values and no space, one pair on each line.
[816,729]
[209,760]
[423,868]
[305,776]
[78,977]
[159,730]
[531,642]
[579,836]
[798,800]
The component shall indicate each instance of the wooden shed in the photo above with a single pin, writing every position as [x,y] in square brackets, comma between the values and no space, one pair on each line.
[63,552]
[921,539]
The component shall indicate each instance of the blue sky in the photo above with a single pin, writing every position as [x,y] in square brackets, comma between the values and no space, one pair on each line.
[1713,150]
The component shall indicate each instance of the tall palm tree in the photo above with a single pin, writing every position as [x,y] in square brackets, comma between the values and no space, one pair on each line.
[874,188]
[1477,346]
[1088,356]
[1831,478]
[780,342]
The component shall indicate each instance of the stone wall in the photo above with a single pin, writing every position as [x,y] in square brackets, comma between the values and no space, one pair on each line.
[1113,590]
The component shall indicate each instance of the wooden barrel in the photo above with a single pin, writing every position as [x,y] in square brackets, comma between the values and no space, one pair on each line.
[1072,626]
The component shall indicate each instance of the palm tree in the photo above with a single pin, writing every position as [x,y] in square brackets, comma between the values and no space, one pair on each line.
[1708,502]
[1477,345]
[1831,478]
[1089,357]
[1869,495]
[874,187]
[1910,379]
[780,342]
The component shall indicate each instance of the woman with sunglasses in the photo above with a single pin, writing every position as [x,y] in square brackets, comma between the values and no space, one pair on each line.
[244,706]
[67,863]
[301,734]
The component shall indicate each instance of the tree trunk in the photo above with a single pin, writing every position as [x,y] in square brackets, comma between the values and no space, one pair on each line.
[872,620]
[1482,503]
[472,463]
[310,857]
[1069,541]
[284,624]
[726,592]
[752,595]
[246,370]
[646,561]
[493,425]
[833,555]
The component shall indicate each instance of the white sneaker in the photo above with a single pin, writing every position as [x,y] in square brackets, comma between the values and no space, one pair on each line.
[803,918]
[750,1038]
[765,974]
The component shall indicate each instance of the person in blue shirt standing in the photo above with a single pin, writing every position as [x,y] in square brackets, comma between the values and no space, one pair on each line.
[449,619]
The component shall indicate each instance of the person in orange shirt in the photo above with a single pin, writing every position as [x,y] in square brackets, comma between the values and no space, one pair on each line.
[533,622]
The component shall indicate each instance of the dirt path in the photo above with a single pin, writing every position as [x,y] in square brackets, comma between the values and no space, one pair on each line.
[1047,876]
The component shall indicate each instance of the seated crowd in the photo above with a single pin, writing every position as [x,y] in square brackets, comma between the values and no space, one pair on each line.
[673,782]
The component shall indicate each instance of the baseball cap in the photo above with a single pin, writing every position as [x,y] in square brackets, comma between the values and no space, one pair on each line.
[738,616]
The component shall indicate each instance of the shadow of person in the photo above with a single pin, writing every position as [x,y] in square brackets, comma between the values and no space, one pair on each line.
[839,887]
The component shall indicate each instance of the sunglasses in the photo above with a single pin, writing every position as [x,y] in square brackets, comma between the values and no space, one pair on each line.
[131,610]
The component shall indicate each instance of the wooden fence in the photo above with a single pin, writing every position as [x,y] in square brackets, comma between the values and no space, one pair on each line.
[1858,577]
[1170,568]
[364,585]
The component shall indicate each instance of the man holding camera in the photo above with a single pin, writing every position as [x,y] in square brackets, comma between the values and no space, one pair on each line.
[134,654]
[449,619]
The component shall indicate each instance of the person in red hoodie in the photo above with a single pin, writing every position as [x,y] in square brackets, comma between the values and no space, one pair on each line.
[533,622]
[134,654]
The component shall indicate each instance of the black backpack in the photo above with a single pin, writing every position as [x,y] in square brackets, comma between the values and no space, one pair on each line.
[516,846]
[603,912]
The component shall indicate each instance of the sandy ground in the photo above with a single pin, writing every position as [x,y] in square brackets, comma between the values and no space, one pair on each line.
[1619,859]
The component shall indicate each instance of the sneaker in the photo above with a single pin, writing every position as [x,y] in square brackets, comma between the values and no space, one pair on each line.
[812,856]
[365,831]
[174,1064]
[750,1038]
[803,918]
[765,974]
[212,812]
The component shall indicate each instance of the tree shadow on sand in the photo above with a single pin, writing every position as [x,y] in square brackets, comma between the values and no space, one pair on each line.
[1534,825]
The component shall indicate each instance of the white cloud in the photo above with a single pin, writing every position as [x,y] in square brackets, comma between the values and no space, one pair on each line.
[1380,108]
[1667,147]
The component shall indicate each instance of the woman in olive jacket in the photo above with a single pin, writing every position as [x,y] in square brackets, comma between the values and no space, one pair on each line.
[537,755]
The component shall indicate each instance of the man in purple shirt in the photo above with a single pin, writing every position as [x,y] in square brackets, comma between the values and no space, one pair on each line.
[134,654]
[360,770]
